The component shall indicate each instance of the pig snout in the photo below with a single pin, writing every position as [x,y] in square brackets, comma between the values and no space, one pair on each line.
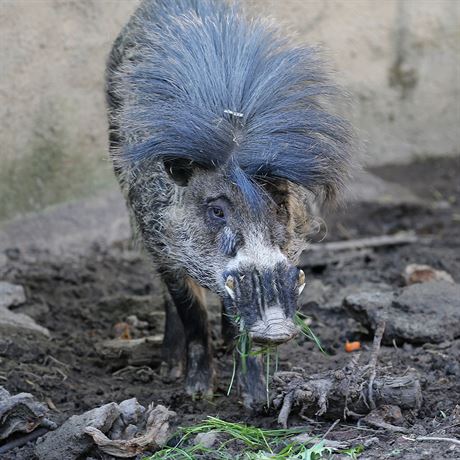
[266,300]
[275,328]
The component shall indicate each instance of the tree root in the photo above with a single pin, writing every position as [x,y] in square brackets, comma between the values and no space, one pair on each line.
[352,391]
[342,393]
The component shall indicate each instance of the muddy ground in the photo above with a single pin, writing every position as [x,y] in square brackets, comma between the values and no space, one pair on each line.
[80,300]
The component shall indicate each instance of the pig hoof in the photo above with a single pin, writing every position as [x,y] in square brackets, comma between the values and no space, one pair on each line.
[200,374]
[252,384]
[255,399]
[199,386]
[170,372]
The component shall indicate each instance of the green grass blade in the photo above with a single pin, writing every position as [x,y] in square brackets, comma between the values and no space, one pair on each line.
[305,330]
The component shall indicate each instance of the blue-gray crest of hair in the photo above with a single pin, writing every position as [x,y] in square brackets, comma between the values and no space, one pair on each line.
[221,90]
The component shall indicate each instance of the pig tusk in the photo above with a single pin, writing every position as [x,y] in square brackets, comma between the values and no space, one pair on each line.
[301,281]
[230,292]
[301,288]
[301,277]
[230,286]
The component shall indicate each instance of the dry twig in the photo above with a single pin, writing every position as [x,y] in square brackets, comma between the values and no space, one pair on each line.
[373,361]
[371,242]
[433,438]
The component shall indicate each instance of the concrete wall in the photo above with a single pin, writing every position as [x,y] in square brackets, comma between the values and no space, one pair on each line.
[400,60]
[52,109]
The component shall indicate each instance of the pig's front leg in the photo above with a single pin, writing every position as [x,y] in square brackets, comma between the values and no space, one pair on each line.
[192,312]
[251,382]
[173,350]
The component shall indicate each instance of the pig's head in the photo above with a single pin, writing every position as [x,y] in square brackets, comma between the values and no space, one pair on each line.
[244,251]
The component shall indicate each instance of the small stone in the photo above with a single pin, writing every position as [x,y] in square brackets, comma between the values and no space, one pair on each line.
[11,294]
[420,313]
[431,311]
[207,440]
[455,415]
[315,291]
[419,429]
[369,307]
[371,441]
[70,441]
[21,413]
[415,273]
[135,352]
[387,415]
[131,411]
[131,414]
[12,324]
[136,323]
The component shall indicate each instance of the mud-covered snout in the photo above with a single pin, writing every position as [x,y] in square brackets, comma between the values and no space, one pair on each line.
[265,301]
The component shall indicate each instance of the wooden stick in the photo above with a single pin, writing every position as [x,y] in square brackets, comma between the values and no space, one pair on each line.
[23,440]
[371,242]
[433,438]
[373,360]
[330,429]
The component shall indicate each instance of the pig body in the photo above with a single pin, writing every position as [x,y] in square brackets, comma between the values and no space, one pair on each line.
[222,147]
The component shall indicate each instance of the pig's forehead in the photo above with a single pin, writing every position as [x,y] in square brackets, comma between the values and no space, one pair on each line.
[211,182]
[217,183]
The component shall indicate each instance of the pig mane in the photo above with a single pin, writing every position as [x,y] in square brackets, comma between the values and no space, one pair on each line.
[205,83]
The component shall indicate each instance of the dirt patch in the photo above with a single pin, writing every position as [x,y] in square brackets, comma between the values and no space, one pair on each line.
[80,300]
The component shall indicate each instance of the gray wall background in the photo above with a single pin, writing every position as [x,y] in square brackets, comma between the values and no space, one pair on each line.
[399,59]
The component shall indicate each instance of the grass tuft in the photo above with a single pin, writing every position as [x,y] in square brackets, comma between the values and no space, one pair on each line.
[245,442]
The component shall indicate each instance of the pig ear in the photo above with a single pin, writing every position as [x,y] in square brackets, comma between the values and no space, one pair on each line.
[180,170]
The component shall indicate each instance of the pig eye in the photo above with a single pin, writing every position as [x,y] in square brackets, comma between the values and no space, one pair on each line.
[216,212]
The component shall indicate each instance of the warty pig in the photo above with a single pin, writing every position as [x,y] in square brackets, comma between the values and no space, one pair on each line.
[223,146]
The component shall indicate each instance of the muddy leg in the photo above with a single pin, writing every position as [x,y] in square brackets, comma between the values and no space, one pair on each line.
[251,382]
[173,351]
[229,331]
[192,312]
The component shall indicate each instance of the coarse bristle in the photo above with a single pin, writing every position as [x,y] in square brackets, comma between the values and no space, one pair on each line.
[209,85]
